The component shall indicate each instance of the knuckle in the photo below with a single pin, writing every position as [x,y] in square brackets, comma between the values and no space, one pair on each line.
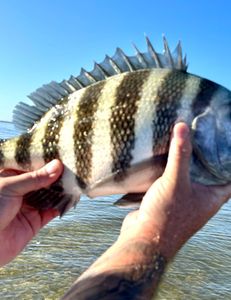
[38,180]
[184,149]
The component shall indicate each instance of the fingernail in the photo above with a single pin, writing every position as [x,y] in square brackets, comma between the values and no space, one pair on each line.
[51,167]
[181,131]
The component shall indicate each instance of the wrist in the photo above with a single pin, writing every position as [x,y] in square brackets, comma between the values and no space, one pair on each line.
[158,238]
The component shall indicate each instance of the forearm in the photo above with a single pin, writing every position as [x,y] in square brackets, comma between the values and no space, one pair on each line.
[130,269]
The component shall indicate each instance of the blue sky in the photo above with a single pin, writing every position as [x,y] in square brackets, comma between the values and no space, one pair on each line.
[49,40]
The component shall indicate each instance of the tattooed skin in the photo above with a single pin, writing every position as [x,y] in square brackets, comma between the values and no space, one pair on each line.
[128,281]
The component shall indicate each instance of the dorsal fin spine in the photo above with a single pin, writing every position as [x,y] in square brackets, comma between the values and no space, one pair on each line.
[140,56]
[153,53]
[126,59]
[31,109]
[168,52]
[114,65]
[68,86]
[55,89]
[50,94]
[179,55]
[80,83]
[42,96]
[89,76]
[101,69]
[38,104]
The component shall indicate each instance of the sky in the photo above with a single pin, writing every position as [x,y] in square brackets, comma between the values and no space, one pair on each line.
[47,40]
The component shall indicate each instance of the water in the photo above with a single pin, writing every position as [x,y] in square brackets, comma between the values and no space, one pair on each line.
[67,246]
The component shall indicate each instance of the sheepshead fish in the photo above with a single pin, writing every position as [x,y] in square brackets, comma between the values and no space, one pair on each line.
[111,127]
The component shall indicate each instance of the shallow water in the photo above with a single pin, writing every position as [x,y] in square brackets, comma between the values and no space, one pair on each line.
[67,246]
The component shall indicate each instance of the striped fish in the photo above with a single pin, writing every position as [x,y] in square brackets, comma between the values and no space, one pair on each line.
[111,127]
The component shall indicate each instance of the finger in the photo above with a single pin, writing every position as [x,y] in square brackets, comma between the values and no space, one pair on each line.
[179,153]
[31,181]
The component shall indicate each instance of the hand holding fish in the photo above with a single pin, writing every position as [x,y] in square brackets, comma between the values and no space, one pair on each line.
[174,208]
[172,211]
[18,222]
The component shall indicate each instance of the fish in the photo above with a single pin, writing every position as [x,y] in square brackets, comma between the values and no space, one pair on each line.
[111,127]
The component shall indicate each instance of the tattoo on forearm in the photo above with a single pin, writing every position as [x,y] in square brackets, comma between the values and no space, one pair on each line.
[130,282]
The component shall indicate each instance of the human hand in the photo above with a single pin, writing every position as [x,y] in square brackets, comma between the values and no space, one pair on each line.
[174,208]
[19,223]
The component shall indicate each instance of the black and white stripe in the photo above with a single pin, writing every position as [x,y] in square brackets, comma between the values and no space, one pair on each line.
[83,132]
[123,116]
[22,151]
[171,93]
[146,111]
[102,159]
[50,141]
[167,97]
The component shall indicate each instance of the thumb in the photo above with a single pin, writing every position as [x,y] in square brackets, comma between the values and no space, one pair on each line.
[31,181]
[179,154]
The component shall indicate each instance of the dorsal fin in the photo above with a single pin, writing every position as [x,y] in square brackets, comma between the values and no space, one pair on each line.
[24,115]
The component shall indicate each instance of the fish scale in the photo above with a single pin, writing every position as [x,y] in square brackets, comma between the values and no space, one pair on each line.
[83,132]
[51,137]
[123,121]
[22,153]
[111,127]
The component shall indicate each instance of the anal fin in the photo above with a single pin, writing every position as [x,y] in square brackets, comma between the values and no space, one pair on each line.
[132,200]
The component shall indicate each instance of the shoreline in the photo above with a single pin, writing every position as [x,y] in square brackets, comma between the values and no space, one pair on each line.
[2,121]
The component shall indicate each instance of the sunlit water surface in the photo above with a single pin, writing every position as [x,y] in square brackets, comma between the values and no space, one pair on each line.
[67,246]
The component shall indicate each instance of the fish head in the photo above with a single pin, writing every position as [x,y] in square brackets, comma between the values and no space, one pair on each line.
[211,138]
